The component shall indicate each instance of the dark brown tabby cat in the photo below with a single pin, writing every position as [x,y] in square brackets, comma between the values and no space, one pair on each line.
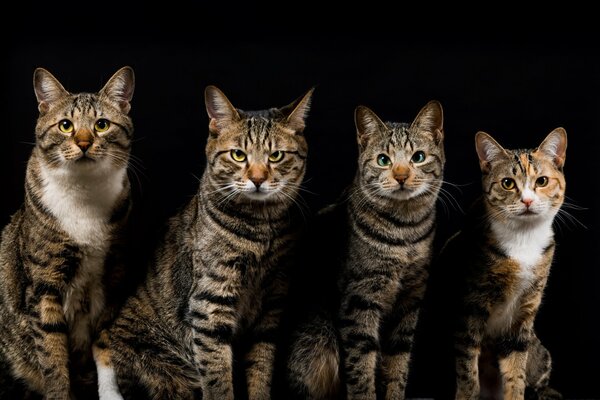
[53,256]
[388,226]
[502,259]
[219,278]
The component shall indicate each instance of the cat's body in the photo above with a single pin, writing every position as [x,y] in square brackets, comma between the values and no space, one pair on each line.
[219,278]
[58,253]
[364,339]
[500,262]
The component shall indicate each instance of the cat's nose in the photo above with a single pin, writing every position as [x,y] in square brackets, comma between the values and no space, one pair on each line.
[84,139]
[527,202]
[401,178]
[258,180]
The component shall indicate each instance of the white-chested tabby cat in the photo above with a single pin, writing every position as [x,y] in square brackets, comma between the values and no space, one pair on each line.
[501,261]
[53,255]
[388,226]
[219,278]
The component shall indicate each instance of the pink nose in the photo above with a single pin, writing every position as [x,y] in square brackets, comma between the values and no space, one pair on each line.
[527,202]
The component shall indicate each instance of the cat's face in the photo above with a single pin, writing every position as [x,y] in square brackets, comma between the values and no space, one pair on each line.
[398,160]
[85,132]
[256,156]
[523,185]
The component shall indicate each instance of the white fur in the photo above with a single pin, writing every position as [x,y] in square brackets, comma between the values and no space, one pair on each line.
[107,383]
[82,198]
[524,242]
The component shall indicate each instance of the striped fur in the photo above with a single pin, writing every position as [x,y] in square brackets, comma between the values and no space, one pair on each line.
[502,260]
[219,277]
[389,223]
[54,272]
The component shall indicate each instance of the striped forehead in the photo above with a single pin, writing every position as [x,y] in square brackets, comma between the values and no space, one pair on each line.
[399,135]
[84,103]
[259,129]
[523,163]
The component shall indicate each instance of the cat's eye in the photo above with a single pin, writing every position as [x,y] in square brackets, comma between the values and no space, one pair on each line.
[101,125]
[276,156]
[383,160]
[541,181]
[238,155]
[65,126]
[508,183]
[418,157]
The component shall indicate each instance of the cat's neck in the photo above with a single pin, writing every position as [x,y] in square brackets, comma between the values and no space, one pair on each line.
[81,199]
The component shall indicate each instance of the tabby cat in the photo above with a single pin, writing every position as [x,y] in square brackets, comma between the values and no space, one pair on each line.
[53,255]
[502,259]
[219,277]
[388,225]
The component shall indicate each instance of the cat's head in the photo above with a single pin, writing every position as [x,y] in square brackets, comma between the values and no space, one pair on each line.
[84,132]
[523,185]
[399,160]
[258,155]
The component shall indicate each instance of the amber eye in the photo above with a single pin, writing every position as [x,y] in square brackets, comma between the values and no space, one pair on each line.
[418,157]
[541,181]
[276,156]
[383,160]
[238,155]
[508,183]
[101,125]
[65,126]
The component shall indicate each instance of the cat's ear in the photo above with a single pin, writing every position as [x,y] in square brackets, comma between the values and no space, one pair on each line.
[431,119]
[297,111]
[220,110]
[47,89]
[119,88]
[488,150]
[555,146]
[367,124]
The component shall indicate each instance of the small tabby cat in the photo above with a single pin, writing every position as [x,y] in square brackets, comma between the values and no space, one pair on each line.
[501,260]
[219,278]
[54,273]
[388,225]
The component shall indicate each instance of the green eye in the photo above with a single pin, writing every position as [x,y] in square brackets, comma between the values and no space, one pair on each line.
[383,160]
[65,126]
[508,183]
[418,157]
[541,181]
[276,156]
[102,125]
[238,155]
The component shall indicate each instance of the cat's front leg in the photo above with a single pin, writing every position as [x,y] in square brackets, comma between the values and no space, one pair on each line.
[512,360]
[51,341]
[213,318]
[261,357]
[467,346]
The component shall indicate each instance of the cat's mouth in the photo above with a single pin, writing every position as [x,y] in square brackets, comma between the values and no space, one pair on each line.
[527,212]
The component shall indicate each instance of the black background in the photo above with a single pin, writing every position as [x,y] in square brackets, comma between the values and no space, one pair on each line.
[515,87]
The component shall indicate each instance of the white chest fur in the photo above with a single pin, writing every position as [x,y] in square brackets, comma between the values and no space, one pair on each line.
[83,204]
[525,245]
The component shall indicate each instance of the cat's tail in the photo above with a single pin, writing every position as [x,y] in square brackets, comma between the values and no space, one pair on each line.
[314,361]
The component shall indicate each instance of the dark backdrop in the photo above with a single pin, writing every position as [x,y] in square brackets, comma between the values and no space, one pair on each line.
[516,87]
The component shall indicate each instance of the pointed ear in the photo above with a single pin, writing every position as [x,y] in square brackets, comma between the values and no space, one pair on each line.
[431,119]
[47,89]
[555,146]
[488,150]
[120,88]
[297,111]
[220,110]
[367,124]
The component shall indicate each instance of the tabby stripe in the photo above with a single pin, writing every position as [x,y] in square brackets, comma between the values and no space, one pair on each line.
[216,299]
[387,216]
[45,289]
[398,346]
[221,333]
[56,327]
[214,159]
[301,156]
[508,345]
[357,302]
[127,132]
[233,229]
[198,315]
[265,336]
[370,231]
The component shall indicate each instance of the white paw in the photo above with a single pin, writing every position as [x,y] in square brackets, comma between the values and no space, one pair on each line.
[107,384]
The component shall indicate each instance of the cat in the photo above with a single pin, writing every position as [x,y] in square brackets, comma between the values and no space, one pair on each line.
[54,273]
[500,262]
[219,278]
[378,245]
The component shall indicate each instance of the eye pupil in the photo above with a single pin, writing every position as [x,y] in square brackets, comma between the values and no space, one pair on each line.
[65,126]
[238,155]
[542,181]
[508,183]
[418,157]
[383,160]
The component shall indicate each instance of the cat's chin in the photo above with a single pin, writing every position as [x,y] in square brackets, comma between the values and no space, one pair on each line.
[259,196]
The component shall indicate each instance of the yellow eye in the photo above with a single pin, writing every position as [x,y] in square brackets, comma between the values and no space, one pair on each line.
[508,183]
[65,126]
[541,181]
[238,155]
[276,156]
[101,125]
